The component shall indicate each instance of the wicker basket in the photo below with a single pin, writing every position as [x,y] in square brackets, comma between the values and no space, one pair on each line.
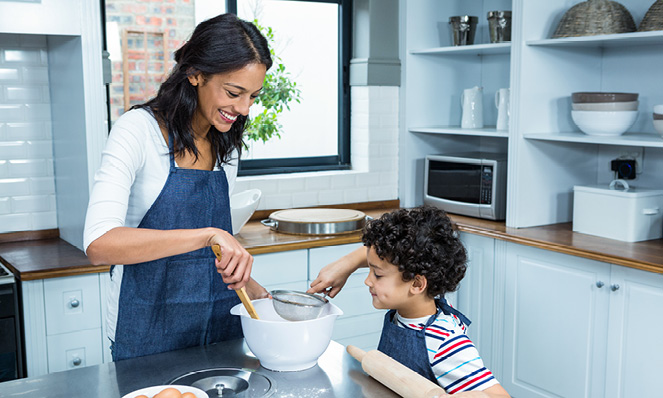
[653,19]
[595,17]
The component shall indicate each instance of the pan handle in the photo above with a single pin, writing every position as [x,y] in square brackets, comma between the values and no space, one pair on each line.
[270,223]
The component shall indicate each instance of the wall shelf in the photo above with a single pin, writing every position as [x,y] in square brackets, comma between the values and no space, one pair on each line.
[628,139]
[614,40]
[474,49]
[456,130]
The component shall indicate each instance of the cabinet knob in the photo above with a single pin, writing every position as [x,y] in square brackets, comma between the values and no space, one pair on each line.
[74,303]
[614,287]
[600,284]
[77,361]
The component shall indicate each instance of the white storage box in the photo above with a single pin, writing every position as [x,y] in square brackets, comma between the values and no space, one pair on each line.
[618,212]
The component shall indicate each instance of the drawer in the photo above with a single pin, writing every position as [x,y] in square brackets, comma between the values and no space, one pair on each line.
[358,325]
[74,350]
[321,256]
[280,268]
[72,304]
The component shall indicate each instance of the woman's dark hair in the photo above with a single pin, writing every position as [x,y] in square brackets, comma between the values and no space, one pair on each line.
[221,44]
[420,241]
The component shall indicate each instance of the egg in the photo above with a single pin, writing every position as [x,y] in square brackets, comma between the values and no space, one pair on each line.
[169,393]
[189,395]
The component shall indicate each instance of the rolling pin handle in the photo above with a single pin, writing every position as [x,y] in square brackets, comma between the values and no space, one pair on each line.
[356,352]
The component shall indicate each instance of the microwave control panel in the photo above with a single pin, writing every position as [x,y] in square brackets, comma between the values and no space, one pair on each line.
[486,197]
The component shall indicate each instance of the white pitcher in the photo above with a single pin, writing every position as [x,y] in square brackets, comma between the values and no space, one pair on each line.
[502,103]
[472,102]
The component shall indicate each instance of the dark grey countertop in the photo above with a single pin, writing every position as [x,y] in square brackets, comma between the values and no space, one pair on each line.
[336,375]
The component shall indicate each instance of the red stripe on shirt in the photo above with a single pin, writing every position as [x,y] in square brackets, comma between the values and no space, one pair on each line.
[436,331]
[461,387]
[451,347]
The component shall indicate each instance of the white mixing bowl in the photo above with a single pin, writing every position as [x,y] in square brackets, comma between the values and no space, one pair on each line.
[604,123]
[242,206]
[282,345]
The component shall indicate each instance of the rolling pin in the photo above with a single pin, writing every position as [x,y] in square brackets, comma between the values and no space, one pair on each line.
[398,377]
[243,296]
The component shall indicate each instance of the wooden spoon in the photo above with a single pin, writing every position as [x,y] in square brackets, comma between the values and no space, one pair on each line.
[240,292]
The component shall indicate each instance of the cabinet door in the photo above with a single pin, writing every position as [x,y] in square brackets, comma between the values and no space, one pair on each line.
[283,270]
[475,293]
[555,324]
[635,351]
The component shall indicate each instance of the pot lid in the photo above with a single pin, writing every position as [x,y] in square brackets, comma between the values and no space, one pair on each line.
[317,215]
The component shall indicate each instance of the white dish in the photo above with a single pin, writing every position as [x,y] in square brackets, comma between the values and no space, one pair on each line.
[606,106]
[242,207]
[604,123]
[282,345]
[658,126]
[154,390]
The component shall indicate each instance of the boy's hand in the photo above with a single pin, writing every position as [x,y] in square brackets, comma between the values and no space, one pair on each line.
[333,276]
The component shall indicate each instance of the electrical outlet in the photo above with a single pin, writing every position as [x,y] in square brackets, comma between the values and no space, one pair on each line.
[634,153]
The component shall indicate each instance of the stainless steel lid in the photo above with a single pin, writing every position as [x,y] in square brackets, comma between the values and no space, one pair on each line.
[318,221]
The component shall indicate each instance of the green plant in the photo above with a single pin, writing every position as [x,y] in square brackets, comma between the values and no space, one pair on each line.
[278,91]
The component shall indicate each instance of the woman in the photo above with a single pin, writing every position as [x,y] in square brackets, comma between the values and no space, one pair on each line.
[161,197]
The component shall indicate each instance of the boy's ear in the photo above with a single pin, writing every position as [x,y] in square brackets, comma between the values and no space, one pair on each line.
[419,284]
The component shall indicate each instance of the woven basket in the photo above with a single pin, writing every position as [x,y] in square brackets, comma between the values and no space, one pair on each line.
[595,17]
[653,19]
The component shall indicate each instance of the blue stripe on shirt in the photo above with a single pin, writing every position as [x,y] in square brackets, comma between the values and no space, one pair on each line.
[459,366]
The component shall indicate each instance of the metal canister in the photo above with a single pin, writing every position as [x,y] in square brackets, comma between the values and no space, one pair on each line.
[463,29]
[499,26]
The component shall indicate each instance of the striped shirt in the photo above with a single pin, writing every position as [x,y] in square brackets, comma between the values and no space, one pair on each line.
[453,357]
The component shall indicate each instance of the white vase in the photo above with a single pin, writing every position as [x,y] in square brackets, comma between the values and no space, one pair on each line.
[502,102]
[472,103]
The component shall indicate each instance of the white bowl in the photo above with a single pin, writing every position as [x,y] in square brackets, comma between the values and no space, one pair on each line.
[658,109]
[242,207]
[658,126]
[604,123]
[282,345]
[606,106]
[154,390]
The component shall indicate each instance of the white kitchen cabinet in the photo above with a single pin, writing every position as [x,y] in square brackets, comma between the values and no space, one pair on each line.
[361,323]
[576,327]
[283,270]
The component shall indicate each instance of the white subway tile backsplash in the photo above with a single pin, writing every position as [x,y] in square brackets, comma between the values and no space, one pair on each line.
[291,185]
[27,186]
[318,183]
[32,204]
[24,94]
[44,186]
[383,193]
[355,195]
[45,220]
[8,75]
[30,168]
[278,201]
[5,206]
[344,181]
[14,222]
[24,56]
[14,187]
[330,197]
[305,199]
[13,150]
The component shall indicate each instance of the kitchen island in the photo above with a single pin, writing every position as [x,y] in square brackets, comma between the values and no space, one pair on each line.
[336,375]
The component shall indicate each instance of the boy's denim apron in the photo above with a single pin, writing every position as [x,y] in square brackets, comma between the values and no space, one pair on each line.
[179,301]
[408,346]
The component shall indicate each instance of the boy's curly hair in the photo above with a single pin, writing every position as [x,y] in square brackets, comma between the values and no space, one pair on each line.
[420,241]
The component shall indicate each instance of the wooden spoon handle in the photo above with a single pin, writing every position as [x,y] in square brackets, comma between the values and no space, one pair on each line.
[243,296]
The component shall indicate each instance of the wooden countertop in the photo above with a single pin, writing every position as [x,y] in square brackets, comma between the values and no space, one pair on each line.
[42,258]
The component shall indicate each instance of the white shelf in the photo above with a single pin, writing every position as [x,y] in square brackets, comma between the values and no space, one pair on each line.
[456,130]
[628,139]
[614,40]
[474,49]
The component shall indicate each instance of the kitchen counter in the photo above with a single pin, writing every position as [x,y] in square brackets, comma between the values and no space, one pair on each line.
[336,375]
[53,257]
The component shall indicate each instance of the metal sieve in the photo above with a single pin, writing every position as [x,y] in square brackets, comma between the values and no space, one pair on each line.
[297,306]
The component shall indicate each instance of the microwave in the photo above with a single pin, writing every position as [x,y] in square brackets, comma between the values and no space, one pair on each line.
[471,184]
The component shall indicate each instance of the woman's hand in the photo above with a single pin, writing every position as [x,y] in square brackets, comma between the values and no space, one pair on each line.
[236,263]
[333,276]
[256,291]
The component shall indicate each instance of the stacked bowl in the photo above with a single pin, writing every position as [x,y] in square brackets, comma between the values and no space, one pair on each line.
[658,118]
[603,113]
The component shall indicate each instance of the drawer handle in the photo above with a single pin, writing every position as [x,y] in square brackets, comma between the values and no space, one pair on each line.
[614,287]
[77,361]
[74,303]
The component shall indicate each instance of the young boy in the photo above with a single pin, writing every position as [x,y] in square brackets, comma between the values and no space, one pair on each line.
[415,256]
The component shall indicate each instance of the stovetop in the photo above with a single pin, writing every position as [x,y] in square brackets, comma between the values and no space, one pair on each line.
[5,275]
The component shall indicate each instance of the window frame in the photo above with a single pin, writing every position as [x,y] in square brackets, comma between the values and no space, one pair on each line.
[254,167]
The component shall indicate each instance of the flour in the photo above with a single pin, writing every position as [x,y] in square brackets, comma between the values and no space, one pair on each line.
[306,393]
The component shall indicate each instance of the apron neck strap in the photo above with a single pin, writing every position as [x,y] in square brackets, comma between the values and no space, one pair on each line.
[444,306]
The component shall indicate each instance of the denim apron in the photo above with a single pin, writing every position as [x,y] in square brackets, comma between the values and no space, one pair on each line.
[179,301]
[408,346]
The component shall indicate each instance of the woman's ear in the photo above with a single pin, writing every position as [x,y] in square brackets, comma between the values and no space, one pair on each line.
[419,284]
[195,78]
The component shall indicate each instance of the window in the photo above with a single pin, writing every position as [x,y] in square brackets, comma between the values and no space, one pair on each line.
[312,38]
